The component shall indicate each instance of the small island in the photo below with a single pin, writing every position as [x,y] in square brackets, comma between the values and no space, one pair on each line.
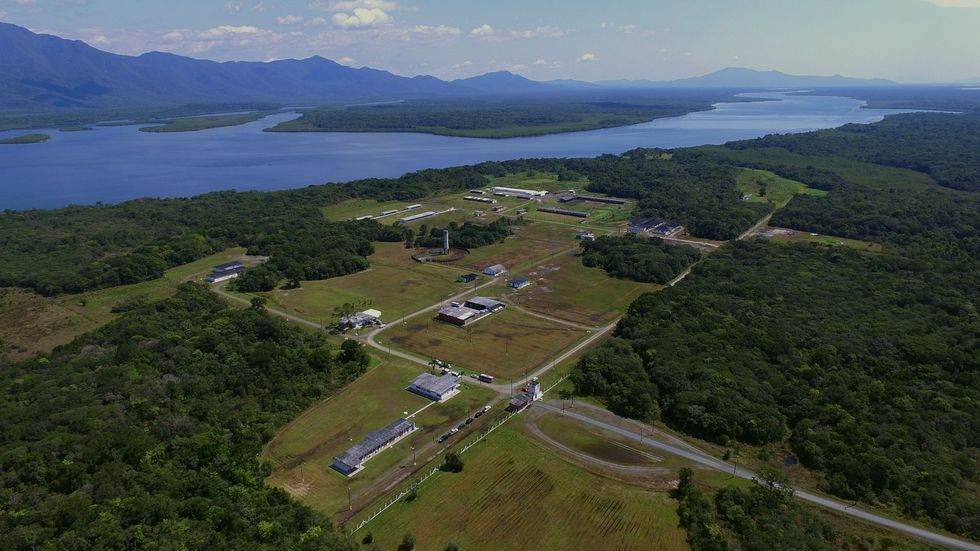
[25,139]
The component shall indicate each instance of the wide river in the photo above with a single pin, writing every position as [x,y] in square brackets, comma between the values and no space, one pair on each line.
[113,164]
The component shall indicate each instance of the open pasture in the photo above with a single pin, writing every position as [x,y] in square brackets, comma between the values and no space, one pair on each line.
[514,494]
[504,344]
[563,288]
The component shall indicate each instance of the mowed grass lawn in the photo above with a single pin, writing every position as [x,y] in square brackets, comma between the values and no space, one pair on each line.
[30,323]
[394,284]
[301,453]
[565,289]
[514,494]
[504,344]
[779,190]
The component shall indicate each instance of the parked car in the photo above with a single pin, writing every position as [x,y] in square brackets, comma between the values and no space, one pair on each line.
[461,426]
[454,431]
[470,420]
[478,414]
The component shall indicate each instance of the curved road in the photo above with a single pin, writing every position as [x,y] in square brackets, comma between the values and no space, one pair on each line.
[711,462]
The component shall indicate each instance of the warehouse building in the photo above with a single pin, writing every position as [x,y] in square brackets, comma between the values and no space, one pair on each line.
[519,283]
[435,388]
[416,217]
[352,461]
[484,305]
[367,318]
[564,212]
[516,192]
[458,315]
[225,272]
[495,270]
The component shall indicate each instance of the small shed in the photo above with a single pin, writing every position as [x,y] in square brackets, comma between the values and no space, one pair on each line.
[519,283]
[495,270]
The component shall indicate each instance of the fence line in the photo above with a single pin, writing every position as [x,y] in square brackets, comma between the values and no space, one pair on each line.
[556,383]
[425,477]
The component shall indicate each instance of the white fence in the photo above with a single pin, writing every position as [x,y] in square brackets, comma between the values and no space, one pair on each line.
[428,475]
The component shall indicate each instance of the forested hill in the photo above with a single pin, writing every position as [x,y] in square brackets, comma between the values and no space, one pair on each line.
[945,146]
[866,366]
[144,434]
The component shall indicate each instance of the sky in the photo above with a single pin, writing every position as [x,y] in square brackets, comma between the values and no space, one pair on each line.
[905,40]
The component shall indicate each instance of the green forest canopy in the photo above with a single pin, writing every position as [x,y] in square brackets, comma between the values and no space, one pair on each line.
[144,434]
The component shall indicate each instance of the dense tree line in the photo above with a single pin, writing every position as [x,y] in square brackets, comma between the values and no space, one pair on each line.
[75,249]
[492,119]
[867,364]
[468,236]
[144,434]
[944,146]
[763,516]
[640,259]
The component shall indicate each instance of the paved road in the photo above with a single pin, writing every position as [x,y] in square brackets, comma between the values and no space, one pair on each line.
[713,463]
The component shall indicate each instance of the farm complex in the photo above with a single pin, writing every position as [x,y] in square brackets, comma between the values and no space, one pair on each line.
[472,340]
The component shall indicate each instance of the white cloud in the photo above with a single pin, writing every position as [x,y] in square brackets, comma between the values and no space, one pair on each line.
[3,15]
[233,30]
[483,31]
[518,67]
[233,7]
[438,30]
[540,62]
[318,21]
[24,2]
[588,57]
[628,28]
[955,3]
[663,50]
[259,8]
[346,60]
[548,32]
[347,5]
[361,18]
[290,19]
[100,40]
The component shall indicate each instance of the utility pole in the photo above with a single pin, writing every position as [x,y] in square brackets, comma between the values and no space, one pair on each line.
[350,503]
[413,455]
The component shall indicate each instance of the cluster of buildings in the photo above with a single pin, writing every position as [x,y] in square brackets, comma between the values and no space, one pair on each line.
[389,212]
[517,192]
[352,461]
[529,394]
[654,225]
[359,320]
[225,272]
[474,309]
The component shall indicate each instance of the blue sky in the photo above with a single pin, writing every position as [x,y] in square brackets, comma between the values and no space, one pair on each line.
[908,40]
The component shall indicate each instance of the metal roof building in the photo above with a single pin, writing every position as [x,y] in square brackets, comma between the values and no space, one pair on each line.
[458,315]
[519,283]
[376,441]
[435,388]
[484,304]
[494,270]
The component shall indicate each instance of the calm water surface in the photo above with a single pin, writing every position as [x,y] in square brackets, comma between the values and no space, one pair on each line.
[114,164]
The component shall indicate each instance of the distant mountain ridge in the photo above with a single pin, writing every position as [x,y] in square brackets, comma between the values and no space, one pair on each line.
[739,77]
[43,72]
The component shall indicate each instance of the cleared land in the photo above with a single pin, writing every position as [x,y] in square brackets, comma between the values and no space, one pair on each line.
[504,344]
[764,186]
[394,284]
[565,289]
[530,243]
[302,452]
[30,323]
[514,494]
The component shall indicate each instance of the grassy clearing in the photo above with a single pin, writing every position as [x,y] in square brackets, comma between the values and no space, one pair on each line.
[614,450]
[565,289]
[764,186]
[504,344]
[395,284]
[530,244]
[514,495]
[32,324]
[829,241]
[302,451]
[533,179]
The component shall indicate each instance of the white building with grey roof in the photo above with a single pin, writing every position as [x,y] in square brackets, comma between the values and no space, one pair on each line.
[352,461]
[436,388]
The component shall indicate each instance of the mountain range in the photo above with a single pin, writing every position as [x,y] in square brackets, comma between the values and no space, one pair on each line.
[43,72]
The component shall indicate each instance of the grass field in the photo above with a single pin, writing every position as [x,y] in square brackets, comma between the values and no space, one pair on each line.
[514,494]
[395,284]
[302,451]
[603,447]
[504,344]
[565,289]
[777,189]
[530,244]
[30,323]
[830,241]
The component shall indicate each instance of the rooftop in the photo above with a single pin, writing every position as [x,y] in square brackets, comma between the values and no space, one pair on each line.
[374,440]
[434,384]
[484,302]
[458,312]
